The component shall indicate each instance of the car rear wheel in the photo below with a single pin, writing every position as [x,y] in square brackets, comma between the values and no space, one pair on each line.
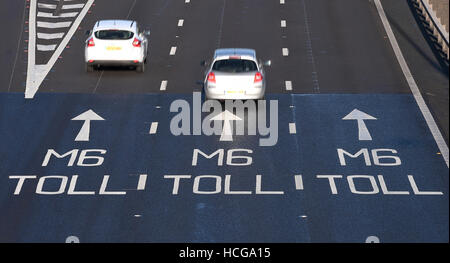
[140,68]
[89,68]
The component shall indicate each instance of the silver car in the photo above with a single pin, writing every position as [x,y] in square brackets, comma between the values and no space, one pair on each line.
[235,73]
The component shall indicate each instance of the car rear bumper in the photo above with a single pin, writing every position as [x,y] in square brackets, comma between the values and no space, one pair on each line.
[254,95]
[113,62]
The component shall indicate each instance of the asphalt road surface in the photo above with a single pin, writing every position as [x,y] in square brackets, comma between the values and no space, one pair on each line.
[92,157]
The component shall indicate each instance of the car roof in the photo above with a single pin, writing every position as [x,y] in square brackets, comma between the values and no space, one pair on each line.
[115,24]
[243,52]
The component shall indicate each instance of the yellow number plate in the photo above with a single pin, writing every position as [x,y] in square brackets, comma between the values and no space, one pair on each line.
[113,48]
[235,91]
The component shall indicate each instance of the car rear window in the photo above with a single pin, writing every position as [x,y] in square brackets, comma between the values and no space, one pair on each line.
[234,65]
[114,34]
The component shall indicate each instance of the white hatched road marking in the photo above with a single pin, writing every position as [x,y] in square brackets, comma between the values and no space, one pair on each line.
[65,7]
[37,73]
[45,47]
[50,36]
[62,15]
[53,24]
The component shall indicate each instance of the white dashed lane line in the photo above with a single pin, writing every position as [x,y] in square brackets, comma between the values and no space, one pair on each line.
[285,52]
[288,84]
[45,47]
[173,50]
[153,128]
[180,22]
[292,128]
[163,85]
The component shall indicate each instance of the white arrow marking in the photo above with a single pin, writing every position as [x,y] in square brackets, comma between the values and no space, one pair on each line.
[363,132]
[227,131]
[87,117]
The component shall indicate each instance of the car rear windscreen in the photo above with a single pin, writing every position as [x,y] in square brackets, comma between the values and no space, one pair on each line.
[114,34]
[234,65]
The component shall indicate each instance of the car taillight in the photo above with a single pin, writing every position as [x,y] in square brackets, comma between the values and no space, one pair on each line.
[211,77]
[258,77]
[91,42]
[136,42]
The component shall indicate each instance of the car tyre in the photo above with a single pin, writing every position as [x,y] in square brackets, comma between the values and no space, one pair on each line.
[89,68]
[140,68]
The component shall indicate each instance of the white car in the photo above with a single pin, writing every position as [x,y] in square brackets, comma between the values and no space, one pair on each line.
[116,43]
[235,73]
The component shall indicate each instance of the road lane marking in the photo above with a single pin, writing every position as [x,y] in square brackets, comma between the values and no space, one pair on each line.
[50,36]
[62,15]
[288,84]
[309,51]
[292,128]
[187,1]
[173,50]
[45,47]
[18,47]
[283,23]
[153,128]
[298,182]
[180,22]
[163,85]
[413,85]
[281,2]
[51,6]
[142,181]
[285,52]
[53,24]
[37,73]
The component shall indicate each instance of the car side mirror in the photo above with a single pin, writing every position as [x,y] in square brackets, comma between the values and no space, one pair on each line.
[146,33]
[88,32]
[267,63]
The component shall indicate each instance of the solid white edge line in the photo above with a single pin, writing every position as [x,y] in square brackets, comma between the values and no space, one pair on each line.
[413,86]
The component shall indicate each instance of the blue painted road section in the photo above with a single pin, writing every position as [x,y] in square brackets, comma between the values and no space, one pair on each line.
[406,201]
